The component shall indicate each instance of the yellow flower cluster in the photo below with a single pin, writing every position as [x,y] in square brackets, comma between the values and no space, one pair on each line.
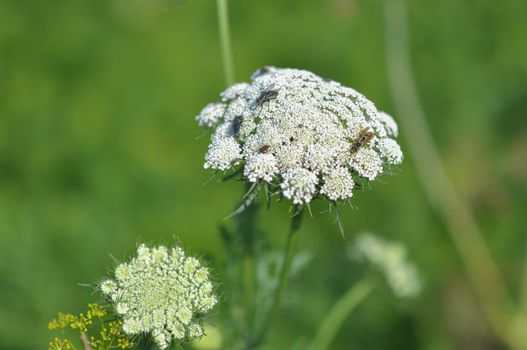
[106,334]
[61,322]
[60,344]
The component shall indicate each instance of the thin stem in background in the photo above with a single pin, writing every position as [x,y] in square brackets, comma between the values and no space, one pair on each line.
[481,268]
[289,250]
[225,41]
[332,323]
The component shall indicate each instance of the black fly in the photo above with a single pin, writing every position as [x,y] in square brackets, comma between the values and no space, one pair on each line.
[237,123]
[266,96]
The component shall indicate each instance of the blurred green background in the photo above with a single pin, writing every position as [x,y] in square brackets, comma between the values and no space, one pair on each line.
[99,150]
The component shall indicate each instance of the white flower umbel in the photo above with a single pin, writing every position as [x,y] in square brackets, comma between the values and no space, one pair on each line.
[390,258]
[161,292]
[338,184]
[211,114]
[308,136]
[260,166]
[223,153]
[299,185]
[391,151]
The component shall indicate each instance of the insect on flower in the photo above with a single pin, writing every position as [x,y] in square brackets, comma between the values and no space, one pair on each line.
[266,96]
[237,123]
[264,149]
[365,136]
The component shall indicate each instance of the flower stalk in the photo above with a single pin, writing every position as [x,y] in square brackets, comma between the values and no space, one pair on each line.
[246,223]
[332,323]
[225,41]
[289,250]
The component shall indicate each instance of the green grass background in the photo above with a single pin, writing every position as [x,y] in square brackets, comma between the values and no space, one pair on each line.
[99,150]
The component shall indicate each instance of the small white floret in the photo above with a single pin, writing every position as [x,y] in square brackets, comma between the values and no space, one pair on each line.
[261,167]
[211,114]
[299,185]
[223,153]
[367,163]
[391,151]
[338,184]
[389,124]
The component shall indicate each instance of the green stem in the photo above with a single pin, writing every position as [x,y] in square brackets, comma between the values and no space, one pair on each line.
[249,287]
[246,229]
[290,247]
[482,270]
[225,41]
[330,326]
[523,293]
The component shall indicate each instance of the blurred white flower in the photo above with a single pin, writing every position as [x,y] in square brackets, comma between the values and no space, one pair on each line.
[301,133]
[161,292]
[390,258]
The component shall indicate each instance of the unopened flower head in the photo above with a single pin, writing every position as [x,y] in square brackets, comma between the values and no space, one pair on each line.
[162,292]
[390,258]
[308,136]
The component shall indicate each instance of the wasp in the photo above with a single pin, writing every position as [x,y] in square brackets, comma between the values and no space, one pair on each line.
[237,123]
[365,136]
[264,149]
[266,96]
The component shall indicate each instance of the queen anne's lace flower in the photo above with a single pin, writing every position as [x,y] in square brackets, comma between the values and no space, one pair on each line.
[162,292]
[307,135]
[390,258]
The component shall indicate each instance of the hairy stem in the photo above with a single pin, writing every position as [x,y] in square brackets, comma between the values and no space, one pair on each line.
[225,41]
[479,264]
[331,324]
[289,250]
